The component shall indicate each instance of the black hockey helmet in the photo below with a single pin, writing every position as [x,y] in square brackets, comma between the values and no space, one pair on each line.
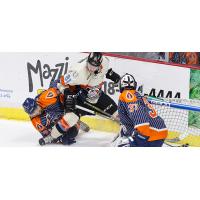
[95,59]
[127,81]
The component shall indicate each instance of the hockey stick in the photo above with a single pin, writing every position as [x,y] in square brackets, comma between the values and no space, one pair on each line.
[178,145]
[108,116]
[173,140]
[161,102]
[166,143]
[91,111]
[100,112]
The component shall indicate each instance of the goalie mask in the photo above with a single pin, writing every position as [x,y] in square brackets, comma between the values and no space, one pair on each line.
[94,62]
[127,82]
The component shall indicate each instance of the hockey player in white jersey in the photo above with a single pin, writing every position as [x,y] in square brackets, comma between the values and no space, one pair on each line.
[86,78]
[89,72]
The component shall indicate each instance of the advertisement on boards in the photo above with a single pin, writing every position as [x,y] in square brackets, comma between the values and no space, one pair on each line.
[24,74]
[27,74]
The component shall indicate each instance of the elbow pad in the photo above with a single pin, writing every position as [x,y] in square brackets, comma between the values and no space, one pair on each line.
[113,76]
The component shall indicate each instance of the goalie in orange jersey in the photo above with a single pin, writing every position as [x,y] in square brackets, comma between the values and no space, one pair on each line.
[140,124]
[52,114]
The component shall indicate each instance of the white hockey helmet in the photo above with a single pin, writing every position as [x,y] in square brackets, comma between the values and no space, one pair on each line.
[127,81]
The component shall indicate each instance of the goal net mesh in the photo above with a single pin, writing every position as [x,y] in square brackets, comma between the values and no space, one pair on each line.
[178,121]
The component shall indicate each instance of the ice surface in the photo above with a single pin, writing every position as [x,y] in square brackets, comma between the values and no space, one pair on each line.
[19,133]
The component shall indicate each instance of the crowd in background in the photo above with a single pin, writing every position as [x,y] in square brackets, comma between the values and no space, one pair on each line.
[189,58]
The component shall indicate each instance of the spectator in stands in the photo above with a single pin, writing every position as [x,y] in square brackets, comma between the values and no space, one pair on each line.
[147,55]
[189,58]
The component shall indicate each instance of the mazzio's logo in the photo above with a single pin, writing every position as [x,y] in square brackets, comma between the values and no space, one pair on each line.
[46,72]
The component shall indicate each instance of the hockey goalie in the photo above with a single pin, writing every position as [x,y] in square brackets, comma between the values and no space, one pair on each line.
[140,124]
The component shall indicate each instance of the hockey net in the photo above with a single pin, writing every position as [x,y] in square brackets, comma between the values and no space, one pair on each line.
[183,123]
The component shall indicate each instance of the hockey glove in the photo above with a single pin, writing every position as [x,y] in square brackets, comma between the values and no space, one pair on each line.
[113,76]
[82,95]
[69,101]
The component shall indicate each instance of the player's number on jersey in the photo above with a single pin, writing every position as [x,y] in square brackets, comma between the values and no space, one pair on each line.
[152,111]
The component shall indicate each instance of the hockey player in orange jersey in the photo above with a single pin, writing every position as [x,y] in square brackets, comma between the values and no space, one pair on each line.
[140,124]
[53,116]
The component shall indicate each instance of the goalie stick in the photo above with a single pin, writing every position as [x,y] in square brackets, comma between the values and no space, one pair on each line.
[177,145]
[166,143]
[108,116]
